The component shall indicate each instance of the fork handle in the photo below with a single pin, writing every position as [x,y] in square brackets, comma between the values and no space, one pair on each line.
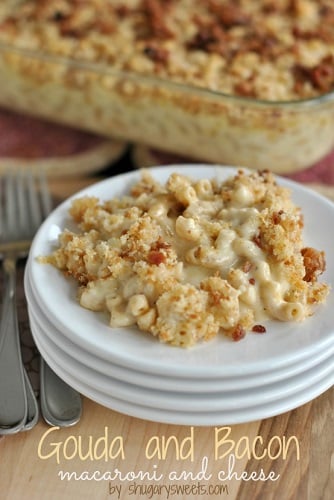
[13,401]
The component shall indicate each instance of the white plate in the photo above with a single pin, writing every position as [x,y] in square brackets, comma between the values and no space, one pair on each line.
[284,343]
[204,418]
[164,383]
[177,401]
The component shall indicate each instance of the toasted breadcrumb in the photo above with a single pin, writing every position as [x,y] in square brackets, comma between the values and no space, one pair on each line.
[274,50]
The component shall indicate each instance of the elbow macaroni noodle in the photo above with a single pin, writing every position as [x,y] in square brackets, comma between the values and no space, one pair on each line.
[188,259]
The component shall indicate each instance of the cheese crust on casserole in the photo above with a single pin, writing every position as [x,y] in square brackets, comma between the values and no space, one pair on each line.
[268,49]
[170,73]
[190,258]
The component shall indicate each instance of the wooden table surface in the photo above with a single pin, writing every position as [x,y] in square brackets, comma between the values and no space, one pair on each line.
[108,451]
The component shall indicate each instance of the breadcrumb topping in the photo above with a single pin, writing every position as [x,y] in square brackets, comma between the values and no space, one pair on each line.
[189,259]
[268,49]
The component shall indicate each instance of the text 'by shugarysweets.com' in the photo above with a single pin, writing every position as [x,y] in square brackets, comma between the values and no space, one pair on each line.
[104,459]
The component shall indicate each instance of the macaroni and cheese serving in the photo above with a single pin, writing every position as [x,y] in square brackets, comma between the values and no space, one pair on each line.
[188,259]
[235,82]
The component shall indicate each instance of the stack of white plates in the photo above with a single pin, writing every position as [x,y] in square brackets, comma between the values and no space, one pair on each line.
[217,383]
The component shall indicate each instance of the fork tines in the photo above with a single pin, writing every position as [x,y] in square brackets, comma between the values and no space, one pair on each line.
[24,203]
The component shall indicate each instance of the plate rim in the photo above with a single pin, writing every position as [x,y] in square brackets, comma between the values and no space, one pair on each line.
[231,417]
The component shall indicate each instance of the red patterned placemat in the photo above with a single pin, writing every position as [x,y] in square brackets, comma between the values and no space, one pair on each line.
[27,141]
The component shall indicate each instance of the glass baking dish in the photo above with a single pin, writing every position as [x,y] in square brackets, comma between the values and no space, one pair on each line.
[179,118]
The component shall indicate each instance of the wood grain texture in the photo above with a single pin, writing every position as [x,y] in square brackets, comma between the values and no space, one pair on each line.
[312,476]
[24,471]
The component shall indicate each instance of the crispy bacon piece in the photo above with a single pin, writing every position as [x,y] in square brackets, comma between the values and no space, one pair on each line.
[238,333]
[314,262]
[245,88]
[155,257]
[210,38]
[156,54]
[259,329]
[154,11]
[321,76]
[257,240]
[229,15]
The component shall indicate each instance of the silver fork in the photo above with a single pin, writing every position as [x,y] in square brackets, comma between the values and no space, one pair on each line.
[26,203]
[20,216]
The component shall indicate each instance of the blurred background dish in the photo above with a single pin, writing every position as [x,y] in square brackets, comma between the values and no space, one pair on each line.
[248,84]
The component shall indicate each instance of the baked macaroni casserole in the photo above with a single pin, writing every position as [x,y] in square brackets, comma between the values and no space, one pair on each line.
[189,258]
[218,80]
[269,49]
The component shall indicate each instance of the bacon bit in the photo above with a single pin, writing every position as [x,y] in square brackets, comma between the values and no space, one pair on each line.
[69,27]
[154,11]
[323,32]
[58,16]
[123,11]
[156,54]
[300,75]
[326,11]
[104,27]
[229,15]
[251,281]
[8,23]
[210,38]
[326,33]
[257,240]
[276,217]
[259,329]
[327,15]
[271,7]
[245,89]
[155,257]
[321,76]
[303,34]
[67,30]
[160,244]
[314,262]
[238,333]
